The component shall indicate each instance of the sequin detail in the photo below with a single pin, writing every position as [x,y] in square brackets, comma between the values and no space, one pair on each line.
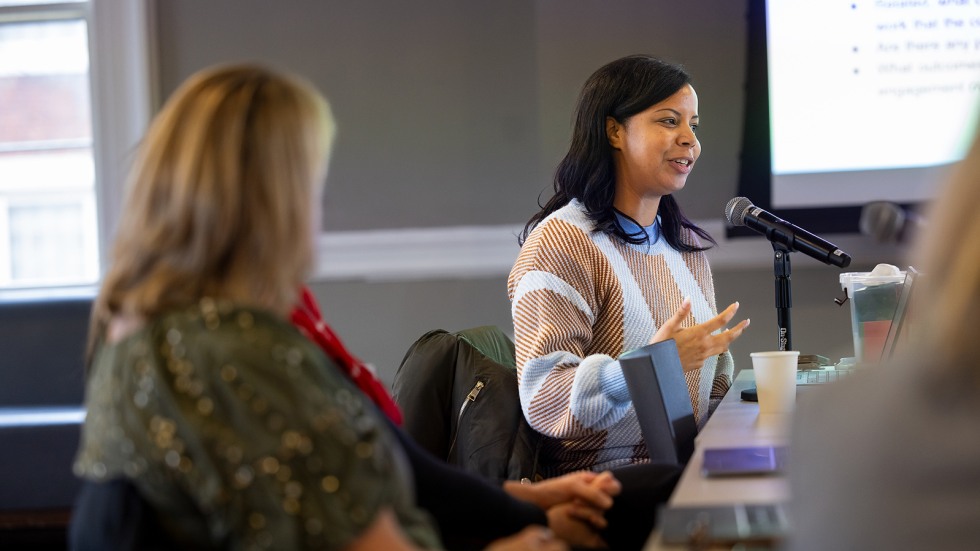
[233,406]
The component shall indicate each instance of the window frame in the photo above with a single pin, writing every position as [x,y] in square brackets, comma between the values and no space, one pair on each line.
[122,77]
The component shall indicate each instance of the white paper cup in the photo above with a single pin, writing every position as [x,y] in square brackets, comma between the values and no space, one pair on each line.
[775,380]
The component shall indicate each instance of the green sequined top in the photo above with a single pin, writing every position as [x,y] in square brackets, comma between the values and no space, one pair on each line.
[241,435]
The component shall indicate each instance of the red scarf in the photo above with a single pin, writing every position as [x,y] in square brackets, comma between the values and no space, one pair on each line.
[306,317]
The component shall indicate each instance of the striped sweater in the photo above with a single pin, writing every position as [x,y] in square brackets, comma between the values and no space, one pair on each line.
[580,299]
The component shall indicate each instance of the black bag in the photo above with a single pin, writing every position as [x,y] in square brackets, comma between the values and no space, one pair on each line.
[459,400]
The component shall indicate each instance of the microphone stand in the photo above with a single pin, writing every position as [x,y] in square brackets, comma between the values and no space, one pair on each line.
[784,296]
[784,301]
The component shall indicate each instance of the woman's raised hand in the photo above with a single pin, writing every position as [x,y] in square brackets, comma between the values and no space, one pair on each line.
[700,342]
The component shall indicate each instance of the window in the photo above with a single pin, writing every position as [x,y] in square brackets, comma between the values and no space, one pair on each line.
[74,86]
[47,180]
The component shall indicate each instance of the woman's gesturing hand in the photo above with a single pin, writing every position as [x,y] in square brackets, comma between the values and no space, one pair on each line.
[700,342]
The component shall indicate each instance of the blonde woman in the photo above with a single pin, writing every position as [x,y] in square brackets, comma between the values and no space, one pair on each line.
[233,428]
[890,459]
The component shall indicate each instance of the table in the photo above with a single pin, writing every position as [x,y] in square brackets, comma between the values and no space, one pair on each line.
[734,423]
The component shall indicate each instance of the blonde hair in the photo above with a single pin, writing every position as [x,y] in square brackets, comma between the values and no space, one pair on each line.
[948,307]
[220,201]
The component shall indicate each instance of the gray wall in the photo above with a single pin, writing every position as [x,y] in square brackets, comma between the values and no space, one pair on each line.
[455,113]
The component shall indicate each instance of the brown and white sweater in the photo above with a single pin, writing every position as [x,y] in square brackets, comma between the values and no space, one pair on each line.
[580,299]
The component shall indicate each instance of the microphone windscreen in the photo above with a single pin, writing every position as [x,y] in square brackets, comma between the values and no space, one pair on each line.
[735,210]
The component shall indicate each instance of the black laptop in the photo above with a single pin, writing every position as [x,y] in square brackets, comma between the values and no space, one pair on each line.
[662,402]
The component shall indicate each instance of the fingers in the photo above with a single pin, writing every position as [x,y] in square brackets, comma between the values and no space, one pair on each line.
[598,489]
[721,319]
[608,483]
[589,488]
[718,343]
[723,338]
[581,486]
[673,324]
[576,526]
[710,326]
[588,514]
[587,476]
[681,314]
[698,343]
[594,496]
[735,332]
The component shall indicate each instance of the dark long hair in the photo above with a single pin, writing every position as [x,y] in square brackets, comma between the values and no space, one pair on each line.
[619,89]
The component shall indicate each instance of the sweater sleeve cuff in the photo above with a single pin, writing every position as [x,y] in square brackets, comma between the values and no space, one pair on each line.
[720,385]
[613,383]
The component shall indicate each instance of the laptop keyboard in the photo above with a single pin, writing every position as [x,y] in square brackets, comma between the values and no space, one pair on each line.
[701,527]
[820,376]
[765,515]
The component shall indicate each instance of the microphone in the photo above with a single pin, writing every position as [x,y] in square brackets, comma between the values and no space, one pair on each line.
[741,212]
[888,222]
